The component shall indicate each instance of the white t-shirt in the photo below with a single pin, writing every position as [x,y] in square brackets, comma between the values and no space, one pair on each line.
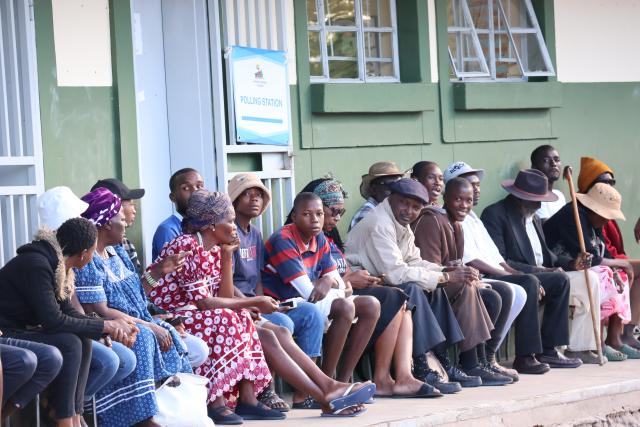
[534,240]
[548,209]
[478,244]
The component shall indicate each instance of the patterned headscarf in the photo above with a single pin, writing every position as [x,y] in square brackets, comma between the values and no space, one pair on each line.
[103,206]
[206,208]
[330,192]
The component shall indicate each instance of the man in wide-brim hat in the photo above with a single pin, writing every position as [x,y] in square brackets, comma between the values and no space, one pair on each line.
[375,187]
[517,232]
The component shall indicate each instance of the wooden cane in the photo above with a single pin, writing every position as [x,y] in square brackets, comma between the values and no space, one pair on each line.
[576,217]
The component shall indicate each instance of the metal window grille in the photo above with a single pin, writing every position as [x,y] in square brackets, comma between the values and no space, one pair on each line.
[359,46]
[496,40]
[21,171]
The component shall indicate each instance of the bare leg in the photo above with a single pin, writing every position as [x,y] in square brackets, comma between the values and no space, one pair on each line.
[634,299]
[614,332]
[406,383]
[368,313]
[384,349]
[65,422]
[341,315]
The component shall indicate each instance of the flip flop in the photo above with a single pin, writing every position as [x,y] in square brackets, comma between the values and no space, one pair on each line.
[631,352]
[425,391]
[258,412]
[338,413]
[613,355]
[351,399]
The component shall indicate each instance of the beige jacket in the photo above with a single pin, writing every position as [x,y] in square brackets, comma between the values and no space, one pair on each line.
[380,245]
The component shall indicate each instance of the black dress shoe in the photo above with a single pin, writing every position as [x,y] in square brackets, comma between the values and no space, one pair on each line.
[529,365]
[559,360]
[434,379]
[487,376]
[463,379]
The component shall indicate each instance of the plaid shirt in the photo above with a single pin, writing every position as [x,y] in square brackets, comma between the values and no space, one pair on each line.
[133,254]
[363,211]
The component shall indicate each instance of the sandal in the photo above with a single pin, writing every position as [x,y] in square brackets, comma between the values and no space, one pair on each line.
[258,412]
[307,403]
[613,355]
[350,398]
[272,400]
[338,412]
[218,416]
[630,352]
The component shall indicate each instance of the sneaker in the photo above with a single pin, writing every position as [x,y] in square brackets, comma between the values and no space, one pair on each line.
[499,369]
[488,377]
[463,379]
[434,379]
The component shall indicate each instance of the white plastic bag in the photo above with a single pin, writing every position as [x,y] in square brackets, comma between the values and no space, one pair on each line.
[183,405]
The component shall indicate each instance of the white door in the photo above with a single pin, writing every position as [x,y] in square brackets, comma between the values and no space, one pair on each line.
[21,169]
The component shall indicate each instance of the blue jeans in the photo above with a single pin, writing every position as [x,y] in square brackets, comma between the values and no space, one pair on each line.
[306,323]
[28,368]
[108,366]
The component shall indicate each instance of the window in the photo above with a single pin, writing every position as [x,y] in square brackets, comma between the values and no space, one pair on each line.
[352,40]
[496,40]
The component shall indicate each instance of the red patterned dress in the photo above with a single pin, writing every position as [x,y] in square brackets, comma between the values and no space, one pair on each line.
[235,352]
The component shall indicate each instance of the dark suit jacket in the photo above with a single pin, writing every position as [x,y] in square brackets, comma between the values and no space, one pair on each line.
[506,226]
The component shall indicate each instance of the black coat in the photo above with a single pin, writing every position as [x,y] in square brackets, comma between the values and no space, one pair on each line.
[30,294]
[506,226]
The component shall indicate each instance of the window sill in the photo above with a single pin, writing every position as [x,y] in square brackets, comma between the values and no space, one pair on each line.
[506,96]
[373,97]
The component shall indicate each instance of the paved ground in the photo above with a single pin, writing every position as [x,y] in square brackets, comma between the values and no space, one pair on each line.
[558,397]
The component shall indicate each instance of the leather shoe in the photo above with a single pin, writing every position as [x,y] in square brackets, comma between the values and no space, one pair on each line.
[559,360]
[434,379]
[487,376]
[529,365]
[499,369]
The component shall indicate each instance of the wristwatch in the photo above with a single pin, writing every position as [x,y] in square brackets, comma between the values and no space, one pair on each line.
[444,277]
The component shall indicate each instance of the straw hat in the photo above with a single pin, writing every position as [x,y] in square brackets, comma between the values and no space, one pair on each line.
[604,200]
[243,181]
[530,184]
[378,170]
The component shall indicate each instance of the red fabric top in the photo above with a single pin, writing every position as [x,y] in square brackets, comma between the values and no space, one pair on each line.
[613,239]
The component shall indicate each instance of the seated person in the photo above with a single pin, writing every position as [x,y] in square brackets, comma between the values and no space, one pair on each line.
[384,245]
[250,198]
[593,171]
[181,184]
[202,291]
[375,187]
[599,206]
[35,306]
[517,232]
[431,177]
[546,159]
[299,265]
[439,237]
[110,287]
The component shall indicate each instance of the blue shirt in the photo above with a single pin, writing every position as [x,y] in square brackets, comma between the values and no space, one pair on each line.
[168,230]
[248,260]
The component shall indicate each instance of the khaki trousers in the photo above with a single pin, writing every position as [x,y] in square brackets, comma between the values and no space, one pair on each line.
[581,336]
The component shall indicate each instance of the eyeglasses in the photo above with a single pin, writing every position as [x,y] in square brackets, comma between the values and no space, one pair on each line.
[336,212]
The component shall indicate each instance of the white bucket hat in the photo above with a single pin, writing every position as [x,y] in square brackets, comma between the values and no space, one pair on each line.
[460,168]
[57,205]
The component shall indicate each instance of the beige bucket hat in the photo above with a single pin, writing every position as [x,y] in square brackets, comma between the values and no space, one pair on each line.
[378,170]
[243,181]
[604,200]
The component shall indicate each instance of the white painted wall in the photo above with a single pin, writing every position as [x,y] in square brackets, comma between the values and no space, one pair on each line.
[433,41]
[597,40]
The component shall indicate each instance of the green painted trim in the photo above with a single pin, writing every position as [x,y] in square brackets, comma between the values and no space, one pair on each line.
[504,123]
[413,41]
[302,68]
[506,96]
[373,97]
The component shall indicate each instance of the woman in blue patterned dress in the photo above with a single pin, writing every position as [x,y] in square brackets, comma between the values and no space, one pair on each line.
[110,287]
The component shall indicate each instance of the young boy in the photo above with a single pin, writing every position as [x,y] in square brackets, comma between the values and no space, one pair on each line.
[250,198]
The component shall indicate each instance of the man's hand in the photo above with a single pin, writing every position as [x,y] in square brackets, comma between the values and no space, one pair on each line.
[582,261]
[464,274]
[321,288]
[361,279]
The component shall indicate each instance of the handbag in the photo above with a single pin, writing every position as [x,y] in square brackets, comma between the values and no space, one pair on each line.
[182,402]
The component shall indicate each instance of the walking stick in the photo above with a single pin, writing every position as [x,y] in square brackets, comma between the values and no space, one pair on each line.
[576,217]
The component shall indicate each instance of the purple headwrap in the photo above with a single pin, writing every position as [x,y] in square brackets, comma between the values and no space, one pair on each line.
[206,208]
[103,206]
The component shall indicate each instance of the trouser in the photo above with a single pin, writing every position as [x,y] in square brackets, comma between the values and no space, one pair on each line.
[108,366]
[197,350]
[581,335]
[513,300]
[306,323]
[493,303]
[28,368]
[531,336]
[67,390]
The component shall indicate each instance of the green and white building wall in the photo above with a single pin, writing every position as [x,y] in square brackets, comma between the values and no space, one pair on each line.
[137,89]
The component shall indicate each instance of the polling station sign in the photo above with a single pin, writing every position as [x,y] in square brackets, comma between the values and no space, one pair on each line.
[260,95]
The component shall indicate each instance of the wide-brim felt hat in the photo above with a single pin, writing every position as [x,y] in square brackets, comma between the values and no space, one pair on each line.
[604,200]
[378,170]
[244,181]
[531,185]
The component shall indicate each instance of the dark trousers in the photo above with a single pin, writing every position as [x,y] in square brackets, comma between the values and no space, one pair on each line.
[531,337]
[506,298]
[28,368]
[67,390]
[493,303]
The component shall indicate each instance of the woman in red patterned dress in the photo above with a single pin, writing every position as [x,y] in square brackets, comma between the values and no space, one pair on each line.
[202,291]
